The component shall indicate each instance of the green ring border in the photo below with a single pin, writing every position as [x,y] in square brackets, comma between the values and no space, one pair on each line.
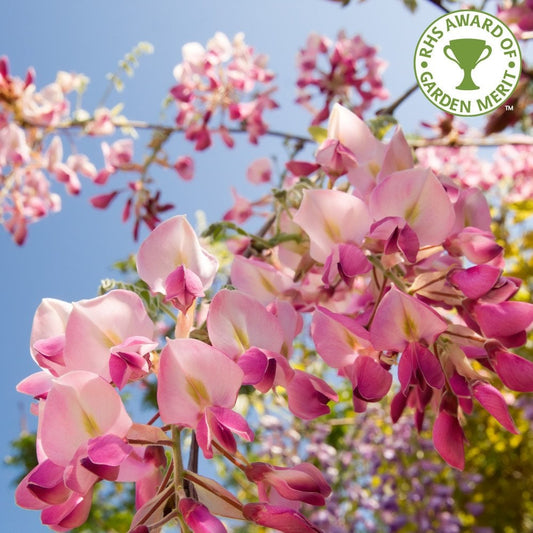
[447,15]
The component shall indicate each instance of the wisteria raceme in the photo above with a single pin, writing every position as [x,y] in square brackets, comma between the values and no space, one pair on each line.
[225,81]
[25,113]
[389,266]
[345,70]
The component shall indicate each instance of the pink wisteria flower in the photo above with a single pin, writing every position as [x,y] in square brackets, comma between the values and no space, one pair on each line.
[83,406]
[190,393]
[185,269]
[111,335]
[226,80]
[345,70]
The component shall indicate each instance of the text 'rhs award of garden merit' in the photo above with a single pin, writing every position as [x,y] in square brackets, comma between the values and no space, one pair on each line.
[467,63]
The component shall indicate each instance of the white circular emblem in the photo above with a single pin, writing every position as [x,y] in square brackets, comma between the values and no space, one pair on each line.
[467,63]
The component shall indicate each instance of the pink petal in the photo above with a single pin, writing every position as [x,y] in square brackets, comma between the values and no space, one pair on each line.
[309,396]
[475,281]
[258,279]
[50,321]
[45,481]
[515,372]
[407,367]
[401,319]
[280,518]
[398,155]
[237,322]
[448,438]
[370,380]
[504,319]
[96,325]
[171,244]
[73,513]
[83,406]
[36,385]
[353,133]
[337,337]
[190,381]
[327,217]
[493,401]
[184,166]
[102,201]
[198,517]
[429,366]
[260,171]
[419,198]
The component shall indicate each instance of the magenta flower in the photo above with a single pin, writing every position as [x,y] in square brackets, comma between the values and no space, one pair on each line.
[345,70]
[281,518]
[309,396]
[302,483]
[371,382]
[449,439]
[198,517]
[184,166]
[417,196]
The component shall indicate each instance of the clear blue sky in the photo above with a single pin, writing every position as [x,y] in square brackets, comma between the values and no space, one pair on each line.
[67,254]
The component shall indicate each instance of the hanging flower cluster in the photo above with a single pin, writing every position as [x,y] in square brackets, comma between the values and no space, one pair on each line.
[25,114]
[228,80]
[388,267]
[346,71]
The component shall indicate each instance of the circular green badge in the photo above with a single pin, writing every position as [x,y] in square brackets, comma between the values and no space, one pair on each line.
[468,63]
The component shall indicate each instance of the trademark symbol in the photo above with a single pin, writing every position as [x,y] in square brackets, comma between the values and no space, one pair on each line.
[509,107]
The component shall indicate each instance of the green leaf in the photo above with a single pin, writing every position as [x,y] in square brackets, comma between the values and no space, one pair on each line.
[318,133]
[381,124]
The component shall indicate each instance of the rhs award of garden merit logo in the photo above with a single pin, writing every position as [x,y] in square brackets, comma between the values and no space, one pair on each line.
[467,63]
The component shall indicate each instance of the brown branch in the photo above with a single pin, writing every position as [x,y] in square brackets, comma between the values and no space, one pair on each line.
[438,3]
[390,109]
[491,141]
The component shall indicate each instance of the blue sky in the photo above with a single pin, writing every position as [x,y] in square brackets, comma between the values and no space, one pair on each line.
[67,254]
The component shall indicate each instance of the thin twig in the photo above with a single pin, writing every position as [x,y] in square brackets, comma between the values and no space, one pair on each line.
[390,109]
[496,140]
[438,3]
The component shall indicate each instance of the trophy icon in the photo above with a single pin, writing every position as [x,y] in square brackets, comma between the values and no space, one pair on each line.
[467,53]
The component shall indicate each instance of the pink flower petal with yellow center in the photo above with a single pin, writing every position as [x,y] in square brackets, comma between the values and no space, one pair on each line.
[401,319]
[337,338]
[236,322]
[332,217]
[259,279]
[171,244]
[419,198]
[192,377]
[97,325]
[80,406]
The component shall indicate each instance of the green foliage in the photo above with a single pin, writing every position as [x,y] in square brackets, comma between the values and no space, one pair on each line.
[318,133]
[505,463]
[381,124]
[23,455]
[154,303]
[129,63]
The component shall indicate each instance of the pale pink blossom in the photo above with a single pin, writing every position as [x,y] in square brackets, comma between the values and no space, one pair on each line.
[171,245]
